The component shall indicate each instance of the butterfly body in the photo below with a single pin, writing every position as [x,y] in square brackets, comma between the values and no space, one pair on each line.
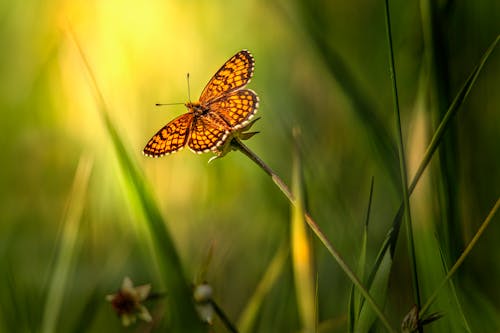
[197,108]
[224,106]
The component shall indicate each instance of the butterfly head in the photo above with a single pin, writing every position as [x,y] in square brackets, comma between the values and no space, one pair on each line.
[196,108]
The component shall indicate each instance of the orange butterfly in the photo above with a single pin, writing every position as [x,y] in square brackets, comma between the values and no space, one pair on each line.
[224,106]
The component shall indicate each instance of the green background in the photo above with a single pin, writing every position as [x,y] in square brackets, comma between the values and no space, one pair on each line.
[321,67]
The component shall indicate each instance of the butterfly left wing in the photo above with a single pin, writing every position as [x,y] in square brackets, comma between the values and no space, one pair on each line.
[208,133]
[171,138]
[233,75]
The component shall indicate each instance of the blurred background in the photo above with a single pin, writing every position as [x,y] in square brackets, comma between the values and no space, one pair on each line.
[322,67]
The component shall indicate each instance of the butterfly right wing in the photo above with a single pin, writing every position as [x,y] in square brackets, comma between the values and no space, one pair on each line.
[171,138]
[236,108]
[233,75]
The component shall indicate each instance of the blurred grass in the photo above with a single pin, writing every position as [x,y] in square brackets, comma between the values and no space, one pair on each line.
[298,238]
[68,247]
[181,312]
[250,313]
[355,320]
[302,251]
[403,170]
[329,74]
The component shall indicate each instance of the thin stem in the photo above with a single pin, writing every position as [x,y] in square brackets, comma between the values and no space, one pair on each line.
[462,95]
[402,162]
[225,320]
[452,110]
[462,257]
[237,144]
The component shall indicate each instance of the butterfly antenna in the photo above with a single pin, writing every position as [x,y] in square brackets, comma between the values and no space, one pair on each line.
[189,89]
[163,104]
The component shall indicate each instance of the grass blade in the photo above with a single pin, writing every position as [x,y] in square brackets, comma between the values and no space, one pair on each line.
[275,268]
[355,298]
[238,145]
[302,256]
[463,256]
[402,160]
[181,309]
[363,105]
[454,294]
[68,246]
[390,241]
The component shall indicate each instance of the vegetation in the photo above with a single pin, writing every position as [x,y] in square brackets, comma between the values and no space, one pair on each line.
[378,138]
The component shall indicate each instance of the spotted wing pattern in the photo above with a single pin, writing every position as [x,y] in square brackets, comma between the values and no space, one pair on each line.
[234,74]
[236,108]
[208,132]
[223,106]
[171,138]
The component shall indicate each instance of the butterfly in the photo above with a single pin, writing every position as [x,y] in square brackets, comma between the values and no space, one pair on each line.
[223,107]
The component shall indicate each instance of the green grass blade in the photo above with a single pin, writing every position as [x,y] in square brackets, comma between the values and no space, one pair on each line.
[351,310]
[362,262]
[237,144]
[378,289]
[302,256]
[452,110]
[454,294]
[249,314]
[363,105]
[390,241]
[434,19]
[182,313]
[68,246]
[463,256]
[355,299]
[402,160]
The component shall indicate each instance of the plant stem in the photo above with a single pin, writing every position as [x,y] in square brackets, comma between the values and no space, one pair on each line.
[237,144]
[222,315]
[462,257]
[392,235]
[402,162]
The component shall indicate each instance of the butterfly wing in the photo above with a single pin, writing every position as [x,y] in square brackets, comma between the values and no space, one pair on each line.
[233,75]
[229,107]
[236,108]
[171,138]
[208,133]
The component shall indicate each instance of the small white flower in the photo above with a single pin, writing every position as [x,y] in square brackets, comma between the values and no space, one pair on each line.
[202,295]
